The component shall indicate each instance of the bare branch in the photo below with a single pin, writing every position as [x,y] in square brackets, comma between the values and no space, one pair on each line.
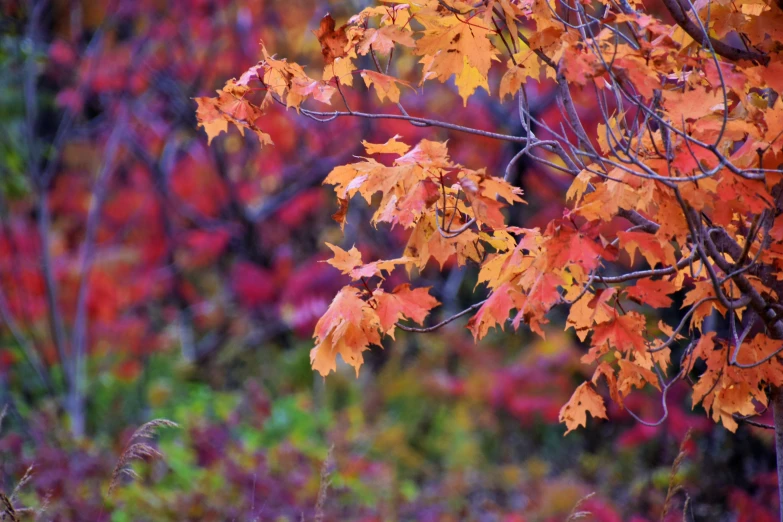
[442,323]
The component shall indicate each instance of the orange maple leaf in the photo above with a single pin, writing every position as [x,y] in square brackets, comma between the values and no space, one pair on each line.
[403,303]
[385,86]
[567,246]
[348,327]
[349,262]
[495,310]
[652,248]
[584,400]
[623,332]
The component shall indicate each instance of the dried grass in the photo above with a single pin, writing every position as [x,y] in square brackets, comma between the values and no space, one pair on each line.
[7,503]
[323,487]
[576,513]
[44,505]
[8,509]
[138,448]
[28,474]
[673,488]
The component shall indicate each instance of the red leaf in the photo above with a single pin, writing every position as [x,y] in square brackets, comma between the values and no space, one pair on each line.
[623,333]
[333,42]
[403,303]
[652,293]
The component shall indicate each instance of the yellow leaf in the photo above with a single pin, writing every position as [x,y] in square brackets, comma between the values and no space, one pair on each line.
[390,147]
[578,187]
[349,262]
[451,47]
[214,127]
[584,400]
[468,80]
[385,86]
[342,69]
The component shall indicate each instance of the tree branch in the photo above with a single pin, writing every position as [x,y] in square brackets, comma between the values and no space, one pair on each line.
[697,33]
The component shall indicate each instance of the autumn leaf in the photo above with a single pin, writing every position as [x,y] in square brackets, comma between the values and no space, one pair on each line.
[450,47]
[579,186]
[349,262]
[333,41]
[308,88]
[652,292]
[214,114]
[607,372]
[633,375]
[392,146]
[567,246]
[729,399]
[385,86]
[622,332]
[586,313]
[495,311]
[422,196]
[580,66]
[341,70]
[210,117]
[383,39]
[403,303]
[685,168]
[348,328]
[425,242]
[702,290]
[527,66]
[713,354]
[341,216]
[468,80]
[584,400]
[652,248]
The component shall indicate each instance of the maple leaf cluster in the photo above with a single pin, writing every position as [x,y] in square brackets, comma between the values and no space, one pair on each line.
[419,181]
[683,167]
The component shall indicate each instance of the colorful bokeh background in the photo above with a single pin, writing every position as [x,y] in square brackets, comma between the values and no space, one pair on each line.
[184,280]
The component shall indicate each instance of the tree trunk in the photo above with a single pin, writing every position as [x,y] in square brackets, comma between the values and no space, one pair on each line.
[777,411]
[74,406]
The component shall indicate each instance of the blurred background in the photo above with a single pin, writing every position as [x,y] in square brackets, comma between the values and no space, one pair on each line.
[146,275]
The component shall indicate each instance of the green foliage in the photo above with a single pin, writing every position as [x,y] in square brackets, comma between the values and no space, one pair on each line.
[13,182]
[443,434]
